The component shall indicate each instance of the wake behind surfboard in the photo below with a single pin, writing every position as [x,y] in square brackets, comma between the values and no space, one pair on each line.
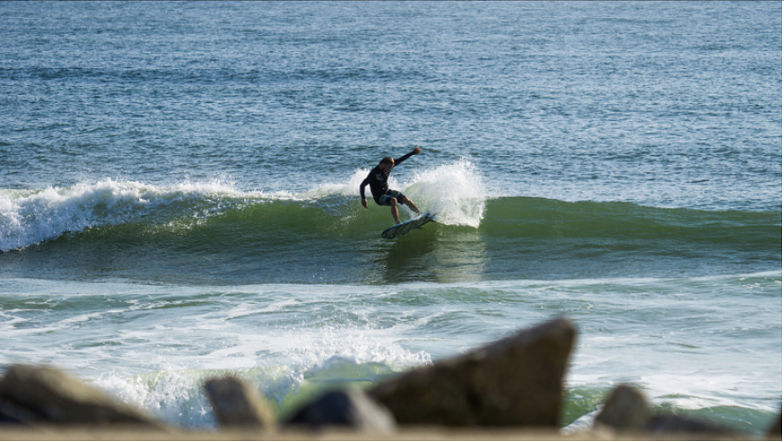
[401,229]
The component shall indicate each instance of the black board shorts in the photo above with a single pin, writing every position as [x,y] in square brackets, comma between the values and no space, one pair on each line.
[383,200]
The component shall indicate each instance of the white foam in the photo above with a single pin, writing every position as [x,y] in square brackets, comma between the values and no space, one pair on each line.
[172,395]
[455,193]
[31,217]
[278,363]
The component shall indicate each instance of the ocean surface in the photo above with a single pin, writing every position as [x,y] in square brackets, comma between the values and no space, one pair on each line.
[179,195]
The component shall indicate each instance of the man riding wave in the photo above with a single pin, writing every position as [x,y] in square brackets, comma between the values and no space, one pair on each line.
[382,194]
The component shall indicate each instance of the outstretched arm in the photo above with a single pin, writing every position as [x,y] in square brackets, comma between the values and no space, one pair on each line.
[416,151]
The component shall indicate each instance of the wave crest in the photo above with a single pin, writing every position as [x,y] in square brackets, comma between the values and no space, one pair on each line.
[30,217]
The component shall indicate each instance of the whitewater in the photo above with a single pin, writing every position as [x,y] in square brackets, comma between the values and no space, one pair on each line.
[30,217]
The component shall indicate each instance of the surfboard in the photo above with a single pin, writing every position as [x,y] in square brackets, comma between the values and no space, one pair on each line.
[401,229]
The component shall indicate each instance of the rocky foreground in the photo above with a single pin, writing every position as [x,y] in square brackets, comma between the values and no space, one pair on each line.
[511,389]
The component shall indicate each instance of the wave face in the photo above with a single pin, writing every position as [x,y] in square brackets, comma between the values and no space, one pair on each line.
[214,233]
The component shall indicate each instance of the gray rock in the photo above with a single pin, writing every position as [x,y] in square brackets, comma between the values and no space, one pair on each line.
[626,408]
[43,394]
[352,408]
[235,404]
[516,381]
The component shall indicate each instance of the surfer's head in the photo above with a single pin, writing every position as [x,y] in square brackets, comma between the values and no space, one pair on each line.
[386,164]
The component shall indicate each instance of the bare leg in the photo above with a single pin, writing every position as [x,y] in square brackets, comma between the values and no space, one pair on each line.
[410,205]
[395,214]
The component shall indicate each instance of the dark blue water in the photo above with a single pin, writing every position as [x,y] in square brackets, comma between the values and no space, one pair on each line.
[664,104]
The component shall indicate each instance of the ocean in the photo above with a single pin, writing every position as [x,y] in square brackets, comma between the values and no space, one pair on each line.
[179,195]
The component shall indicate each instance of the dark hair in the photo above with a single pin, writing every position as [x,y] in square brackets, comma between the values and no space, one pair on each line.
[387,160]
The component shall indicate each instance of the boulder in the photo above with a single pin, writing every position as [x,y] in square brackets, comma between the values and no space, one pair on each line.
[43,394]
[11,413]
[516,381]
[672,423]
[349,408]
[626,408]
[237,405]
[775,430]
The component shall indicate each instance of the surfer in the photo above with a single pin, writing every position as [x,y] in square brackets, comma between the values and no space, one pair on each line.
[377,179]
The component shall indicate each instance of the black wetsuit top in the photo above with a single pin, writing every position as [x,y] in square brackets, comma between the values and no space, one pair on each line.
[378,180]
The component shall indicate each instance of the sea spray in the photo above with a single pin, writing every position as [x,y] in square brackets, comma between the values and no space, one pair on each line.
[454,192]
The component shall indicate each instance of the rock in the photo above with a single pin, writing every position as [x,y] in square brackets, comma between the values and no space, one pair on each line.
[775,430]
[626,408]
[672,423]
[352,408]
[516,381]
[10,413]
[235,404]
[43,394]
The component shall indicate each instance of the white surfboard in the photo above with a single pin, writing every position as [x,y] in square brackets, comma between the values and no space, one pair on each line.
[401,229]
